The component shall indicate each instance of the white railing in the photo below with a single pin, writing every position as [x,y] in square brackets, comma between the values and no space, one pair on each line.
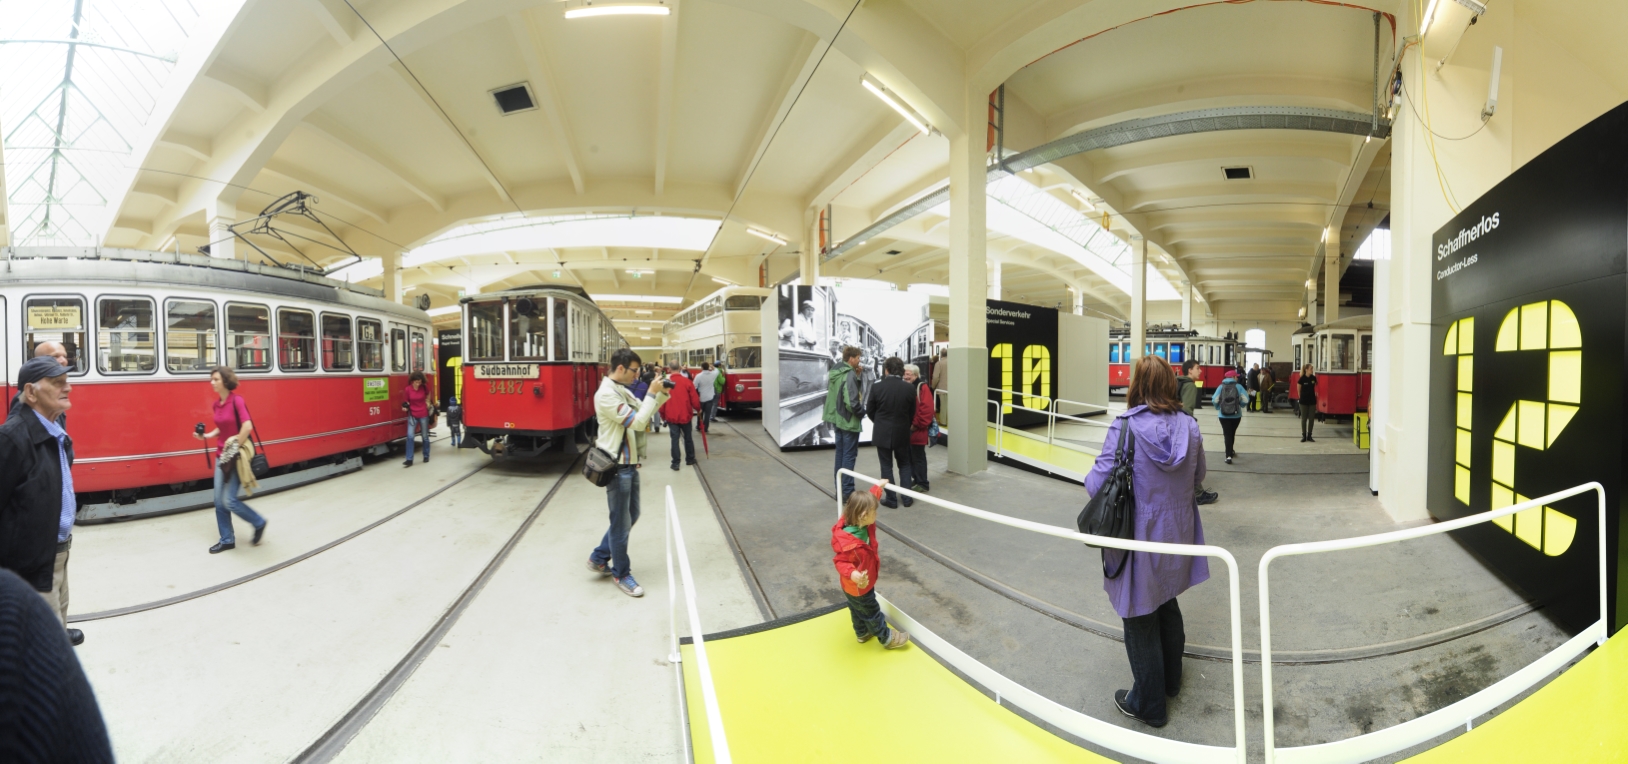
[709,696]
[1460,714]
[1051,413]
[1126,741]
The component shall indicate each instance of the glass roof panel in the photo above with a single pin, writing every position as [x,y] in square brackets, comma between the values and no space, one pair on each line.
[82,77]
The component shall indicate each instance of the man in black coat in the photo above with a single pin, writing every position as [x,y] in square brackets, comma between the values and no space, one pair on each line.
[891,406]
[37,503]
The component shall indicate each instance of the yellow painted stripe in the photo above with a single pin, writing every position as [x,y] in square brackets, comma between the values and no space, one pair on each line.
[809,692]
[1577,719]
[1074,459]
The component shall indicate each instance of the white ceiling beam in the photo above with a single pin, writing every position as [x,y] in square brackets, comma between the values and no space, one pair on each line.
[290,175]
[368,154]
[155,191]
[454,133]
[664,92]
[241,86]
[803,62]
[528,38]
[195,146]
[329,18]
[144,227]
[1202,193]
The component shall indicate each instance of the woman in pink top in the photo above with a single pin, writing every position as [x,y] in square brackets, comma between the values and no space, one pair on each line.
[418,410]
[231,421]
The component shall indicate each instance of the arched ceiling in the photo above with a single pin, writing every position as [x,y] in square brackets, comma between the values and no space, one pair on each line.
[746,109]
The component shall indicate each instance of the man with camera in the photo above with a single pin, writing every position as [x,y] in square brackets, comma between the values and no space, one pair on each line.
[37,502]
[623,420]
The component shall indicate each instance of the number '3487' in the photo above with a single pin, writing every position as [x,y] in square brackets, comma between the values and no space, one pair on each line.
[504,387]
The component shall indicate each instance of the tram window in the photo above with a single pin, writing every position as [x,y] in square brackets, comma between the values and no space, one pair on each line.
[337,354]
[1113,352]
[248,337]
[125,341]
[528,330]
[1367,352]
[1297,364]
[56,319]
[421,351]
[745,357]
[369,345]
[561,325]
[1322,354]
[398,349]
[484,333]
[1176,353]
[296,340]
[189,336]
[742,302]
[1342,361]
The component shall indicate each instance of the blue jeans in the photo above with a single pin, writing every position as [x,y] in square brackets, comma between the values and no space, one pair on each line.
[419,425]
[623,497]
[867,616]
[847,457]
[455,439]
[226,503]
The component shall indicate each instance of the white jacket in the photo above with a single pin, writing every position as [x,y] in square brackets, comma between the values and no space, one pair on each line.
[621,414]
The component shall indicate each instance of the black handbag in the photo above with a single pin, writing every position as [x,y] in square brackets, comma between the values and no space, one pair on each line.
[599,467]
[257,464]
[1111,512]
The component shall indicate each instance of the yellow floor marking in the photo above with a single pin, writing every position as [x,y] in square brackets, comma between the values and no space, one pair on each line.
[809,692]
[1577,719]
[1037,449]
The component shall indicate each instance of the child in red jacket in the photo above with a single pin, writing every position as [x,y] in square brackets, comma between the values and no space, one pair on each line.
[853,539]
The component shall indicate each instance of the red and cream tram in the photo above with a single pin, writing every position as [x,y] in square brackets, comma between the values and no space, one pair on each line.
[321,364]
[1215,355]
[1342,352]
[532,361]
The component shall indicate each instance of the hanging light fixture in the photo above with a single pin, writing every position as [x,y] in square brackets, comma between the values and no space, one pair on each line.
[590,8]
[892,99]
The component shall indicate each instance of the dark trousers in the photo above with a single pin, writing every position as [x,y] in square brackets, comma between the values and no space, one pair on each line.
[673,430]
[918,465]
[1154,643]
[708,409]
[1266,399]
[1308,418]
[847,458]
[889,457]
[867,615]
[1229,431]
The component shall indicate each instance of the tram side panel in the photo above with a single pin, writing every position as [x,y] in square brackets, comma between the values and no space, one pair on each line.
[544,400]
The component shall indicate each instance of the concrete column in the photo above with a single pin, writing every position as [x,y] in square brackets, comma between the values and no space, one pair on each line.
[968,376]
[392,276]
[1187,307]
[994,277]
[222,243]
[1331,282]
[1079,301]
[1139,296]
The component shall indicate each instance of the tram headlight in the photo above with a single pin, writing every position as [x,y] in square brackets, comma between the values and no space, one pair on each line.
[740,388]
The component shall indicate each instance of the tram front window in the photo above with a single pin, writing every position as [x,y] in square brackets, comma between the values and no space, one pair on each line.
[528,330]
[745,357]
[743,302]
[1341,360]
[485,332]
[56,319]
[189,336]
[562,328]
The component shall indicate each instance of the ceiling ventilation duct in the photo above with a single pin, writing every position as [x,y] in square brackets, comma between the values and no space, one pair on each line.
[514,98]
[1238,173]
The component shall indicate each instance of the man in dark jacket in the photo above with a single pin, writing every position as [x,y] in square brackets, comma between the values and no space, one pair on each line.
[37,502]
[892,408]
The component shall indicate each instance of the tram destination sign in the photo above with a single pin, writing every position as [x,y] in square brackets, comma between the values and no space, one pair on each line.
[505,371]
[53,317]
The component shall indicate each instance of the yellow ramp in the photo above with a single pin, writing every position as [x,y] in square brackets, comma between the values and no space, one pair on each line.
[808,692]
[1578,718]
[1036,451]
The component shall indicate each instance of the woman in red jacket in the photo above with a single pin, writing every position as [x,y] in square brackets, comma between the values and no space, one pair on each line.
[919,426]
[853,539]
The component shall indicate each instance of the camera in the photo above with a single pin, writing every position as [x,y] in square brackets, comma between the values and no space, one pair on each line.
[198,429]
[667,383]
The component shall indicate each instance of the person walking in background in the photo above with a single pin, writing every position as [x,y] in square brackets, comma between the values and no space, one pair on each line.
[455,421]
[853,540]
[1308,403]
[1168,465]
[920,423]
[232,422]
[37,501]
[418,410]
[720,386]
[845,411]
[706,387]
[892,408]
[1267,382]
[622,422]
[680,408]
[941,373]
[1254,384]
[1187,391]
[1228,401]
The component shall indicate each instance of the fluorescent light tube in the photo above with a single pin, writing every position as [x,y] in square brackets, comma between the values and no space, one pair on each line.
[651,298]
[766,235]
[617,9]
[892,100]
[721,281]
[444,310]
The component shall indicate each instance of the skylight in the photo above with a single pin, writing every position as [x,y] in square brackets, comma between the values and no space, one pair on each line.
[530,234]
[81,79]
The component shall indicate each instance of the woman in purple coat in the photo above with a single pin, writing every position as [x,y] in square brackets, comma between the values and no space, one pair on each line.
[1169,463]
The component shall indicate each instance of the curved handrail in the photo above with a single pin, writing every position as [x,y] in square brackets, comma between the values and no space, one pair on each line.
[1121,739]
[1391,739]
[703,669]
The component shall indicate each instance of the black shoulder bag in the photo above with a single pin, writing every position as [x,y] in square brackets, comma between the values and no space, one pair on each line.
[258,465]
[1111,512]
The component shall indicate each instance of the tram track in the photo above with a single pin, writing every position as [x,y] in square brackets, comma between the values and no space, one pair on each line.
[1215,653]
[333,741]
[263,572]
